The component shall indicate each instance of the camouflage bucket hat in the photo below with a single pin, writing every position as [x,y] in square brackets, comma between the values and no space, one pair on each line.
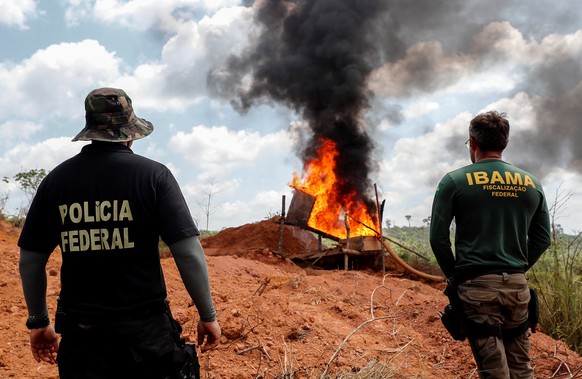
[109,117]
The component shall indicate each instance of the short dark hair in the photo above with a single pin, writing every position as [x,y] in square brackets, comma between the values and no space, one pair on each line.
[490,130]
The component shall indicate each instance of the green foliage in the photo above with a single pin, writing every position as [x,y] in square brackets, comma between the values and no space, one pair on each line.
[28,182]
[556,277]
[207,233]
[3,201]
[16,221]
[415,238]
[412,244]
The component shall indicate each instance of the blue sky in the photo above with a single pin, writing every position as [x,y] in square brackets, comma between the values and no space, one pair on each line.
[437,65]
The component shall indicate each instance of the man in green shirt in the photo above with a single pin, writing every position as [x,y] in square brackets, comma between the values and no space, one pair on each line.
[502,228]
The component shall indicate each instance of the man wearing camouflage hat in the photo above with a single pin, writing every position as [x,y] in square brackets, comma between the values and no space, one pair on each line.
[106,208]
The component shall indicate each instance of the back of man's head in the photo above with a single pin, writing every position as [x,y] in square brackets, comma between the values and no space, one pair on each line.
[490,130]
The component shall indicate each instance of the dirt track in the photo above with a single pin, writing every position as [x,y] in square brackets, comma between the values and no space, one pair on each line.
[280,319]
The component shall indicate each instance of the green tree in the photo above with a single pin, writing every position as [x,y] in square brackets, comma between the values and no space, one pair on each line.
[27,182]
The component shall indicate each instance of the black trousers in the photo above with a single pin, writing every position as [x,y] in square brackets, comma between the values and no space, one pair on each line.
[143,348]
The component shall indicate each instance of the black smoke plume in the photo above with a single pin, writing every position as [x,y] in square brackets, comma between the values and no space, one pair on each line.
[315,56]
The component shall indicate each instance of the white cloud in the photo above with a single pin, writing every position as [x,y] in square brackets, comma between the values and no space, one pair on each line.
[410,174]
[18,12]
[195,47]
[264,204]
[46,154]
[560,189]
[14,129]
[54,81]
[420,108]
[218,150]
[142,14]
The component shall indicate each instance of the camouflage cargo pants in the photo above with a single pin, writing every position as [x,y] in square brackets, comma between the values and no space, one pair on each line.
[499,299]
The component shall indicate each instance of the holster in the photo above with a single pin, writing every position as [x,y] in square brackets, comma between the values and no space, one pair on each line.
[186,360]
[184,357]
[453,317]
[533,309]
[60,317]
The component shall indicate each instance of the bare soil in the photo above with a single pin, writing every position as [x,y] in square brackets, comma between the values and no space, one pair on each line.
[283,321]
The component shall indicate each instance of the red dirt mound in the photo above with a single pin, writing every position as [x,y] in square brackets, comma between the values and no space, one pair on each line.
[257,237]
[282,321]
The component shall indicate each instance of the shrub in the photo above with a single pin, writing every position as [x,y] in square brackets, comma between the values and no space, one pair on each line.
[556,277]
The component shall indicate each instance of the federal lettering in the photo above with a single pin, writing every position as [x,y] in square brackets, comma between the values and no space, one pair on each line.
[481,177]
[105,211]
[96,240]
[96,212]
[504,194]
[125,212]
[87,212]
[513,178]
[497,178]
[75,213]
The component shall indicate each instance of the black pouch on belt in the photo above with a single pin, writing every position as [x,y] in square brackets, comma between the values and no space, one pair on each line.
[184,357]
[60,317]
[453,317]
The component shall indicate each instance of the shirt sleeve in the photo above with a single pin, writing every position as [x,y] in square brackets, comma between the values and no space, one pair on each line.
[441,218]
[191,263]
[539,236]
[40,232]
[173,214]
[32,267]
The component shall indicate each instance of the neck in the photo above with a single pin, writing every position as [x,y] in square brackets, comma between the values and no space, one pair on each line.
[487,157]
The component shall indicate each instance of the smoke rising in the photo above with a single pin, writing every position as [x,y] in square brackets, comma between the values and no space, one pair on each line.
[327,59]
[314,56]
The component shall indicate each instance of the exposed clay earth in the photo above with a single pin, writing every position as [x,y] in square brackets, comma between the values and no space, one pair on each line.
[283,321]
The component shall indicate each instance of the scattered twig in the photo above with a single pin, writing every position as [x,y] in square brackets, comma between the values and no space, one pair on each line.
[562,363]
[374,292]
[400,297]
[287,364]
[266,353]
[372,319]
[262,286]
[248,349]
[334,356]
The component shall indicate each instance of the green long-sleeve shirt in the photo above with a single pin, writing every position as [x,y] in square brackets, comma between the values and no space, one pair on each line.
[501,217]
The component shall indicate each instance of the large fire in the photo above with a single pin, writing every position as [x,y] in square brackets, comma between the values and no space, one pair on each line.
[333,213]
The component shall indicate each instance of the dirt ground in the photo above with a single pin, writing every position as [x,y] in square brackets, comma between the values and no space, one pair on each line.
[283,321]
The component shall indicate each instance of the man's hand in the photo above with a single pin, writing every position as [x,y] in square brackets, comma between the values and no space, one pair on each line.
[209,331]
[44,344]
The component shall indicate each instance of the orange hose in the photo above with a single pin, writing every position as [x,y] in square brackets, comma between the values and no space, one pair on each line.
[409,268]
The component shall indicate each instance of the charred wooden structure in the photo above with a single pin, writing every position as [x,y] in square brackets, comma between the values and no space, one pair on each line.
[356,252]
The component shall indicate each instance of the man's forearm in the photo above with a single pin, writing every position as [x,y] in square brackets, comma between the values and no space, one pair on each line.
[32,268]
[191,262]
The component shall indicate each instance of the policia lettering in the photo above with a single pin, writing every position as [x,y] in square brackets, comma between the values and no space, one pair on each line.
[508,184]
[98,238]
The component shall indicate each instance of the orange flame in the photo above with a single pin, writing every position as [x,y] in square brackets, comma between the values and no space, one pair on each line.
[332,213]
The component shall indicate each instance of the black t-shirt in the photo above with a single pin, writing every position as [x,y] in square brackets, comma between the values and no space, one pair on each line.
[107,209]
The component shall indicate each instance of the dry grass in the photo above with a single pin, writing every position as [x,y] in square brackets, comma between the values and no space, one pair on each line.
[373,370]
